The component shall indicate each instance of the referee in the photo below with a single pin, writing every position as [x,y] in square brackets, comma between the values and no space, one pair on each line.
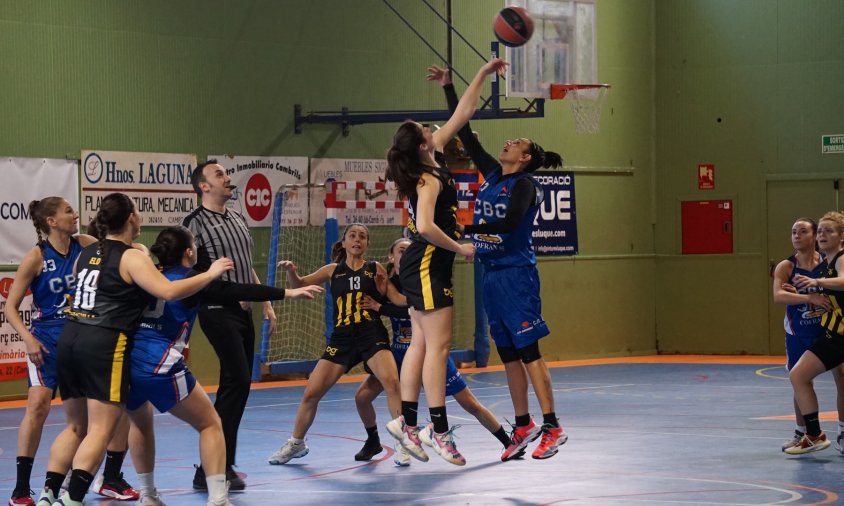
[221,232]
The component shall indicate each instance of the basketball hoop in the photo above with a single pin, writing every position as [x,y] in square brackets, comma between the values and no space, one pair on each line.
[586,102]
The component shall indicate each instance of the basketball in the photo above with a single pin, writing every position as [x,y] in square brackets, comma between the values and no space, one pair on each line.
[513,26]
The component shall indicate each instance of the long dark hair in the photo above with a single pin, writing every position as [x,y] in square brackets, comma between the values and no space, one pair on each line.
[338,252]
[40,210]
[115,210]
[541,158]
[404,166]
[170,245]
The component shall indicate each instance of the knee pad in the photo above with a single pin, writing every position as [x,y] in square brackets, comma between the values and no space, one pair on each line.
[530,353]
[507,354]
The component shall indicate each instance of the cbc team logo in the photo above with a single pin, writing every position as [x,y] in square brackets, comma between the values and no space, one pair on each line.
[258,197]
[93,168]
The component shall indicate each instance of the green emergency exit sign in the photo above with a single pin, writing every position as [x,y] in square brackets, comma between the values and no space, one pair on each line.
[832,144]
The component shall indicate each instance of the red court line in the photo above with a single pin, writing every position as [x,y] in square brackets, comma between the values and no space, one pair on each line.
[643,359]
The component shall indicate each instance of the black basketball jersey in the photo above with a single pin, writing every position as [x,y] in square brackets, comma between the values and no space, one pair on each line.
[833,321]
[445,208]
[347,288]
[102,297]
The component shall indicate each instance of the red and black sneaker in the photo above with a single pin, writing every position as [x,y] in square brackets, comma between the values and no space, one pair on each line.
[116,489]
[21,498]
[519,439]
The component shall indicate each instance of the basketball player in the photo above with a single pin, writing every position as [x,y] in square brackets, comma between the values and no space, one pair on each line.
[827,353]
[113,283]
[802,320]
[358,336]
[47,270]
[160,375]
[415,162]
[506,205]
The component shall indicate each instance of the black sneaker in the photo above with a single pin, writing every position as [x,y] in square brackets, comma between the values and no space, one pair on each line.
[369,450]
[199,479]
[234,479]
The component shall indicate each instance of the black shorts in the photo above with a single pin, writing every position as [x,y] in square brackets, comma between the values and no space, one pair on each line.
[425,276]
[830,350]
[93,362]
[354,344]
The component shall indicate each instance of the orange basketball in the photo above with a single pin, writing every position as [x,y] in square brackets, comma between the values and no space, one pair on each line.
[513,26]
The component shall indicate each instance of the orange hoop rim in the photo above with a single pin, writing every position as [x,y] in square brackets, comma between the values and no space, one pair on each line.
[559,91]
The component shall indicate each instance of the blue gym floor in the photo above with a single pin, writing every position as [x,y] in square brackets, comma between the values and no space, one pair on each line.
[639,433]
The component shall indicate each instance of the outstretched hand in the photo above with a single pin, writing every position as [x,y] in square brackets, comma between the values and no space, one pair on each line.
[439,74]
[495,65]
[305,292]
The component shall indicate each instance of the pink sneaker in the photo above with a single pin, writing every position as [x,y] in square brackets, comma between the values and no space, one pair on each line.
[443,444]
[408,437]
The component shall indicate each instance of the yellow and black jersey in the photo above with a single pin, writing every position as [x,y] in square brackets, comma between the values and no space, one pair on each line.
[348,287]
[445,208]
[833,321]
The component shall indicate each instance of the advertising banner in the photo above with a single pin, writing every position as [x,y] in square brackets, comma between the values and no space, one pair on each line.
[555,226]
[258,178]
[159,183]
[25,180]
[12,348]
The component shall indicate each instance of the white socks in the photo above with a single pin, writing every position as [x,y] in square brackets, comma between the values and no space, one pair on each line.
[218,491]
[147,482]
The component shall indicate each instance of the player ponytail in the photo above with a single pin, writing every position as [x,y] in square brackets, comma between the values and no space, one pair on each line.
[541,158]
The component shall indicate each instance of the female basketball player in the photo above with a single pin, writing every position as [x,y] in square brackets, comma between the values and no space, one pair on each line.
[505,208]
[358,336]
[160,376]
[113,283]
[416,164]
[47,270]
[827,353]
[802,320]
[369,389]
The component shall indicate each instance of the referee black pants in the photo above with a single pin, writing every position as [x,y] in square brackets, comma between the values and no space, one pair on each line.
[232,334]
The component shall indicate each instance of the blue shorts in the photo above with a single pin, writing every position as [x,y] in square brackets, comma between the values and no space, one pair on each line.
[513,306]
[795,347]
[46,375]
[454,382]
[163,390]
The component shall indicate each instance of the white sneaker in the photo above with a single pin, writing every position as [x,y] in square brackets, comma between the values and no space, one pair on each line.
[289,450]
[401,457]
[65,500]
[46,498]
[408,437]
[151,499]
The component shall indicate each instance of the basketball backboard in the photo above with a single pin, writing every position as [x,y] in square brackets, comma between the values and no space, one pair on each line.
[563,48]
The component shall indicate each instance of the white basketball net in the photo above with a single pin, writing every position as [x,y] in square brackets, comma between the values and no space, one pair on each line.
[586,105]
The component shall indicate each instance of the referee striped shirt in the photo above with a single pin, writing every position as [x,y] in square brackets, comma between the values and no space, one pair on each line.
[222,235]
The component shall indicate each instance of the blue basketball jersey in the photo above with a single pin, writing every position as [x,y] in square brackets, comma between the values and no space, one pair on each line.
[56,282]
[510,249]
[402,332]
[804,320]
[164,331]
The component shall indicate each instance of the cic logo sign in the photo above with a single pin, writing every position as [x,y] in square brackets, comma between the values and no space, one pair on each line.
[258,197]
